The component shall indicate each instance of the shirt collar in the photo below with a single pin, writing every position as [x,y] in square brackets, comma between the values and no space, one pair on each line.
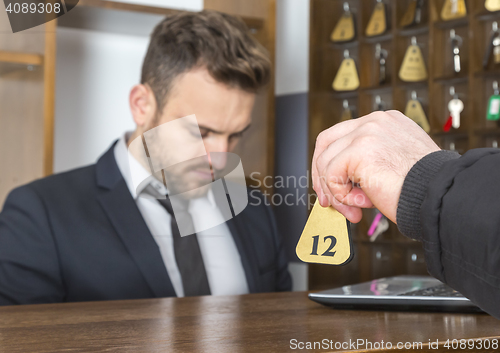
[135,175]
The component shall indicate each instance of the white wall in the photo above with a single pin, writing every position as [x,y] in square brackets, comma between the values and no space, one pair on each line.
[95,72]
[292,77]
[292,46]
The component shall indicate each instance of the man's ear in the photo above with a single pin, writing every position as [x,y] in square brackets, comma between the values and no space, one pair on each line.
[142,105]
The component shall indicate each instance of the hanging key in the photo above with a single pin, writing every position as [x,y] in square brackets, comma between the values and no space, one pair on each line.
[378,21]
[379,225]
[382,227]
[413,14]
[381,56]
[418,12]
[379,104]
[493,46]
[493,112]
[453,9]
[344,30]
[347,78]
[496,50]
[413,68]
[415,111]
[456,106]
[492,5]
[347,112]
[456,43]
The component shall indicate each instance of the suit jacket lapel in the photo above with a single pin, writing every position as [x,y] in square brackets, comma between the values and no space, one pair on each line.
[130,226]
[242,237]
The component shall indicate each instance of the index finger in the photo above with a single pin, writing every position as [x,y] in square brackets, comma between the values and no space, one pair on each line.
[323,140]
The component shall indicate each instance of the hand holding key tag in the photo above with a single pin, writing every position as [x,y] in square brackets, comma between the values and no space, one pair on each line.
[325,238]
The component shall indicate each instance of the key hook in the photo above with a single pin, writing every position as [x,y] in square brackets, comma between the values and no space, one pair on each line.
[414,95]
[414,40]
[495,88]
[346,7]
[452,146]
[495,33]
[346,54]
[379,104]
[455,38]
[345,104]
[379,52]
[453,93]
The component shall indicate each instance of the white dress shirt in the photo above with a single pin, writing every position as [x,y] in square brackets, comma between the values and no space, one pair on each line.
[221,257]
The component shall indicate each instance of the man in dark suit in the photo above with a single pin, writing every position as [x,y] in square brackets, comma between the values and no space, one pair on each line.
[94,234]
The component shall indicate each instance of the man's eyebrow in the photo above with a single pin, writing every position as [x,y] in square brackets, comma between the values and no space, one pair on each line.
[220,133]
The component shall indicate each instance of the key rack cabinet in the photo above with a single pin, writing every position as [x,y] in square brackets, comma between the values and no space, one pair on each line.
[392,253]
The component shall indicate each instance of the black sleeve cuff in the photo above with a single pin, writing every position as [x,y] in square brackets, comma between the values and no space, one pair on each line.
[415,189]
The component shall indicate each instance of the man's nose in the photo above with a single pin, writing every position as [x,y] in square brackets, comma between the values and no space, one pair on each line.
[217,154]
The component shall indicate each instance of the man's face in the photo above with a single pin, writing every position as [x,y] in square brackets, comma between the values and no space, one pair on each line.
[223,114]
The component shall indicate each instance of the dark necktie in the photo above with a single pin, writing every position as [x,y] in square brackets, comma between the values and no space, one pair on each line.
[187,251]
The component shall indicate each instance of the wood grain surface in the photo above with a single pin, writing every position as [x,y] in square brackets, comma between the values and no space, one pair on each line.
[249,323]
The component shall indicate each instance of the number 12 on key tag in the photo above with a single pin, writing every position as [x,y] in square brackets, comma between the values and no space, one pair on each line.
[326,238]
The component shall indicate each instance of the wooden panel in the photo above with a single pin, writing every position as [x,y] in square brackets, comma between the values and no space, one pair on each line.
[21,58]
[255,8]
[21,105]
[21,128]
[49,87]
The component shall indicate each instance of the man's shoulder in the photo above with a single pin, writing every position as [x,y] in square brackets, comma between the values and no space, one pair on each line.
[73,181]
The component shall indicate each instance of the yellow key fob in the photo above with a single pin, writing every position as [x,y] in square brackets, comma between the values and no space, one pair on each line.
[326,238]
[453,9]
[347,78]
[413,68]
[492,5]
[378,22]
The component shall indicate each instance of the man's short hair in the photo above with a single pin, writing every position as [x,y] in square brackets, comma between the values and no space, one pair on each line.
[219,42]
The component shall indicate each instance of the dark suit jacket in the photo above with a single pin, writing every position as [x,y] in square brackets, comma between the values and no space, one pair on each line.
[79,236]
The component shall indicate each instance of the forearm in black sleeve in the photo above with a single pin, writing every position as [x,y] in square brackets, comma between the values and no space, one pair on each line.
[452,205]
